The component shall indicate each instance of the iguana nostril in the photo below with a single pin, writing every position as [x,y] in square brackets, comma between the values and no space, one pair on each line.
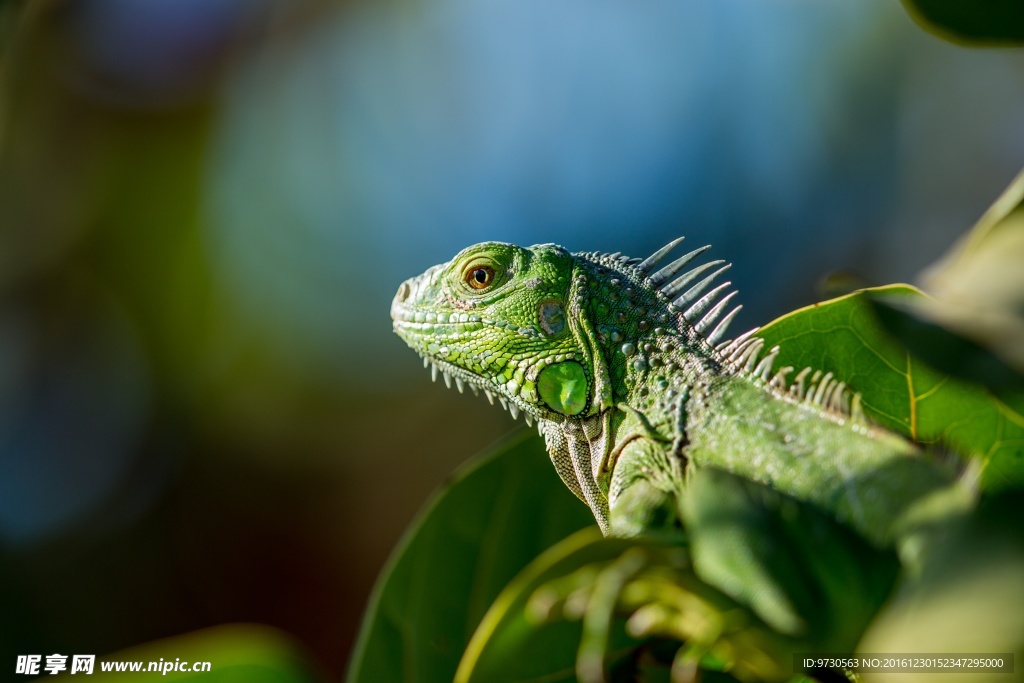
[404,290]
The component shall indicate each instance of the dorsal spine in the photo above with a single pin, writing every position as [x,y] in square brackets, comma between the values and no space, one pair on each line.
[703,316]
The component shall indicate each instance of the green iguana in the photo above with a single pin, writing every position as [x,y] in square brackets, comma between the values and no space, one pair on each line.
[669,430]
[625,365]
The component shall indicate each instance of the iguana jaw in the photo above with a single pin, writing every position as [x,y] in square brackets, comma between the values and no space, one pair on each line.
[422,337]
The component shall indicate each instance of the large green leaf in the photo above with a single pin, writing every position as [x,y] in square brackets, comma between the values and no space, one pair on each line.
[237,653]
[999,22]
[900,392]
[494,517]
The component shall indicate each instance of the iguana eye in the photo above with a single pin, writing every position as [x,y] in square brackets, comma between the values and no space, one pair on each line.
[480,277]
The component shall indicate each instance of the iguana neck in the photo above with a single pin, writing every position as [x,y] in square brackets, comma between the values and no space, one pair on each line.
[643,361]
[647,353]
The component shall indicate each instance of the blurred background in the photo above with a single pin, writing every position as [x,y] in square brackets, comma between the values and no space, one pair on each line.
[207,205]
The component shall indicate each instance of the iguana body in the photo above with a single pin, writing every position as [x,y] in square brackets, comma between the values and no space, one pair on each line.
[625,366]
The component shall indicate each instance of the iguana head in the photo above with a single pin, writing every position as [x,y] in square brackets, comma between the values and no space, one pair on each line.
[557,335]
[496,317]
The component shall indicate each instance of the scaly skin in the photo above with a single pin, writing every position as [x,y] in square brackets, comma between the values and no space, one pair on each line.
[624,368]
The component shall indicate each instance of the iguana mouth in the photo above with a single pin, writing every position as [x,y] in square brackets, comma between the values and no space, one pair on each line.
[401,314]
